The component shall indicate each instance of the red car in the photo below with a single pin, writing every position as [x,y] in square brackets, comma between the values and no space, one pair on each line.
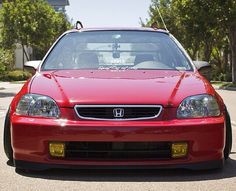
[117,98]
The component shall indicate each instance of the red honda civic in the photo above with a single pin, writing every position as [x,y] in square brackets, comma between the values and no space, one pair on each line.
[117,98]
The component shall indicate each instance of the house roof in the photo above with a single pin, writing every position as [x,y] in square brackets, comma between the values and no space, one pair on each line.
[59,2]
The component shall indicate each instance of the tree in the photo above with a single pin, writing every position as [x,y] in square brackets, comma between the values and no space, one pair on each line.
[31,23]
[207,29]
[177,22]
[228,10]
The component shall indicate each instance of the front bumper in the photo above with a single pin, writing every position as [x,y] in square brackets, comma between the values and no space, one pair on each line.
[30,138]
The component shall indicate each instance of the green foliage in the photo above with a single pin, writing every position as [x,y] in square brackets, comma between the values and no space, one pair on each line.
[31,23]
[6,60]
[219,76]
[15,75]
[2,68]
[207,29]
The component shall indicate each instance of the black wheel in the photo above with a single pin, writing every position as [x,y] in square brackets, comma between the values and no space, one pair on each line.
[228,141]
[7,138]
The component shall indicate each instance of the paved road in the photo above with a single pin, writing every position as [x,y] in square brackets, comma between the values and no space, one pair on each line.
[117,180]
[230,101]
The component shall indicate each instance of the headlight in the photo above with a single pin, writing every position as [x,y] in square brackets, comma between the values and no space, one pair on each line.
[198,106]
[37,105]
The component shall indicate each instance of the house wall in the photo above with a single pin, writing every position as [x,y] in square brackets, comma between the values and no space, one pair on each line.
[19,57]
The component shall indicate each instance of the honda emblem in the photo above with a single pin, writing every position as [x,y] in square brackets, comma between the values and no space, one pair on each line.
[118,112]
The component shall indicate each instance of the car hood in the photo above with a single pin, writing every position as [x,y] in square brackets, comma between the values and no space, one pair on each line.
[70,87]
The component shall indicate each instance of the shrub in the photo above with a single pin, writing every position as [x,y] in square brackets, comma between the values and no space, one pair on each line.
[6,60]
[2,68]
[16,75]
[218,75]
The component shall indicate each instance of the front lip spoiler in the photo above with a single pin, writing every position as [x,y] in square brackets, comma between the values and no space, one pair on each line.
[214,164]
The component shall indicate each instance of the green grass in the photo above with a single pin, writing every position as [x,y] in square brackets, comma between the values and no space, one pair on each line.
[17,82]
[219,83]
[229,85]
[223,84]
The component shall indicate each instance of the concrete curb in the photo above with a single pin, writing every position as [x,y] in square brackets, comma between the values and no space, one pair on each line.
[233,123]
[228,88]
[216,87]
[224,88]
[4,86]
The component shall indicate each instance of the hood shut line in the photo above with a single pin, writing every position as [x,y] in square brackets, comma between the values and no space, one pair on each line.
[175,90]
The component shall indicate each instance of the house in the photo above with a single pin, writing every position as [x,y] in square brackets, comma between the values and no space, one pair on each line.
[59,5]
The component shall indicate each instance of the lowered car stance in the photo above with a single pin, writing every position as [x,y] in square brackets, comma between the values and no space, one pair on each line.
[117,98]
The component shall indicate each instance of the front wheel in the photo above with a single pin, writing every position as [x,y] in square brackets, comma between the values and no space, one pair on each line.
[228,141]
[7,137]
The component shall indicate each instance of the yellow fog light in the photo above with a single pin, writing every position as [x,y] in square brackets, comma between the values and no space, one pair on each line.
[179,150]
[57,149]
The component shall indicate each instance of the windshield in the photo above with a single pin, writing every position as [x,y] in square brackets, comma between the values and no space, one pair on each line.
[98,50]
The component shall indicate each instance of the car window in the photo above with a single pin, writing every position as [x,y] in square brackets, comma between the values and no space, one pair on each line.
[116,50]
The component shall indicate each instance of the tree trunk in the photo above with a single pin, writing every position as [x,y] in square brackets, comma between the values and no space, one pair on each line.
[226,59]
[194,53]
[230,61]
[207,52]
[233,50]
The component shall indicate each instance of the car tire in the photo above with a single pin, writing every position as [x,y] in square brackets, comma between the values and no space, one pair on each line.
[7,138]
[228,140]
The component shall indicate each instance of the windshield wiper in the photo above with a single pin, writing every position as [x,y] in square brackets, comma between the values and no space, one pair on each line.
[116,68]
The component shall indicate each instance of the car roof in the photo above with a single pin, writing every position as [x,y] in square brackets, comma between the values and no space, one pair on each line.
[144,29]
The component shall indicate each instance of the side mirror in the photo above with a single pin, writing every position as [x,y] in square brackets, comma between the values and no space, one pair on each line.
[33,64]
[204,68]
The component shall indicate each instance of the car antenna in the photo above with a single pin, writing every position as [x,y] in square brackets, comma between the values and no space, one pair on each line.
[162,20]
[79,23]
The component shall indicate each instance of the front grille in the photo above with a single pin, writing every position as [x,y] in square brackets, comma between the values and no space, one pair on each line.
[118,112]
[118,150]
